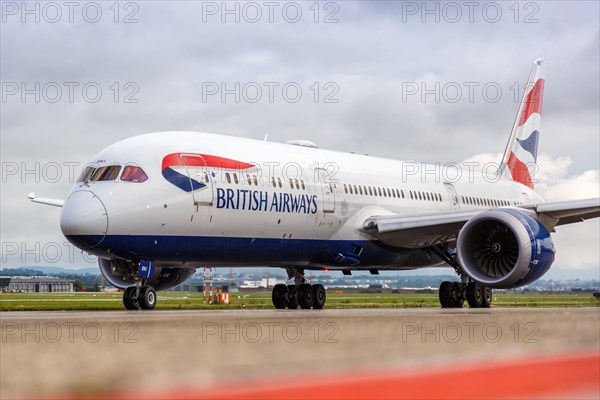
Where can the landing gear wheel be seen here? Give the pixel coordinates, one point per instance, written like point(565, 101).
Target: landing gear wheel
point(147, 298)
point(459, 294)
point(279, 296)
point(319, 296)
point(305, 296)
point(475, 294)
point(292, 299)
point(130, 300)
point(450, 295)
point(487, 297)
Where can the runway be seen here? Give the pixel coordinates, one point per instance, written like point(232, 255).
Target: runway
point(158, 353)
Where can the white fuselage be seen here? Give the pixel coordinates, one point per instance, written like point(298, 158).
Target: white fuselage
point(283, 205)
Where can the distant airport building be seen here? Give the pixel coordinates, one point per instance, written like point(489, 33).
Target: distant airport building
point(35, 284)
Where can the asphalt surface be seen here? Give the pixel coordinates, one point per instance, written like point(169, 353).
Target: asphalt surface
point(49, 354)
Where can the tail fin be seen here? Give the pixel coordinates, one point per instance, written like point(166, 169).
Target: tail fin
point(521, 151)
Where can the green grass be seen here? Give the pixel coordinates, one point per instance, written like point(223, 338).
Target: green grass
point(262, 300)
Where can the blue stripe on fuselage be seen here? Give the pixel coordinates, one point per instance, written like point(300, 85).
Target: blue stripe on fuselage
point(254, 251)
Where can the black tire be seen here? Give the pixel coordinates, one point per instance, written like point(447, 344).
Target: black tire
point(459, 294)
point(475, 294)
point(130, 300)
point(147, 298)
point(450, 295)
point(487, 297)
point(292, 297)
point(446, 294)
point(319, 296)
point(305, 296)
point(279, 296)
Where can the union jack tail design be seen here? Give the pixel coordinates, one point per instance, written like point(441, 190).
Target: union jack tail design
point(520, 157)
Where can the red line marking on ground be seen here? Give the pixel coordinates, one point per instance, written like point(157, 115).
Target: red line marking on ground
point(541, 377)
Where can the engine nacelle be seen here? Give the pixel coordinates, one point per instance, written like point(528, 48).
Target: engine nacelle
point(121, 274)
point(505, 248)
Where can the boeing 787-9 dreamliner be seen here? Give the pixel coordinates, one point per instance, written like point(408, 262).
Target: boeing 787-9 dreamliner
point(155, 207)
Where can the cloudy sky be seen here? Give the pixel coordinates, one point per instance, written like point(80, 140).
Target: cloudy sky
point(404, 80)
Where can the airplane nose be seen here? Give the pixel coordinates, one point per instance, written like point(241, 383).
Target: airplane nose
point(84, 220)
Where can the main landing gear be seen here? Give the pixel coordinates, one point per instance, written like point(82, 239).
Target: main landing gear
point(300, 293)
point(454, 294)
point(135, 297)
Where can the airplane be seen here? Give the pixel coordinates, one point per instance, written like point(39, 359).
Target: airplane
point(155, 207)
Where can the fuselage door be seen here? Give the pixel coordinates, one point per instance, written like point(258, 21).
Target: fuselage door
point(328, 191)
point(201, 179)
point(453, 195)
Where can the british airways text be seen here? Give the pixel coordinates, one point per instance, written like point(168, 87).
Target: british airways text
point(258, 200)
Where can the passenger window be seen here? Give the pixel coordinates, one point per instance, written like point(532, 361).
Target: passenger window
point(302, 183)
point(132, 173)
point(227, 177)
point(235, 179)
point(370, 191)
point(350, 186)
point(360, 189)
point(273, 181)
point(279, 182)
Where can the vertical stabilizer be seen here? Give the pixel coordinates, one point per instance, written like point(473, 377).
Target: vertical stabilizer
point(520, 155)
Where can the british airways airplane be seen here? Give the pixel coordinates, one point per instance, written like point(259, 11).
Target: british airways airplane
point(155, 207)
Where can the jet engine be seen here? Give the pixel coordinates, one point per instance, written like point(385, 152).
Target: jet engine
point(505, 248)
point(122, 274)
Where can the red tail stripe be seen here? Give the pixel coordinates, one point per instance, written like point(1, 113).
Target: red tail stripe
point(519, 171)
point(533, 102)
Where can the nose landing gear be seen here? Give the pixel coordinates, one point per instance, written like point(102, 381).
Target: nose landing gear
point(135, 297)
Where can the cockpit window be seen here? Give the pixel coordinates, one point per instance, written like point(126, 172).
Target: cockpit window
point(106, 173)
point(132, 173)
point(86, 174)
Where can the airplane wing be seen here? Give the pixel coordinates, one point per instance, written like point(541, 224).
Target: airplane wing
point(423, 230)
point(45, 200)
point(569, 212)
